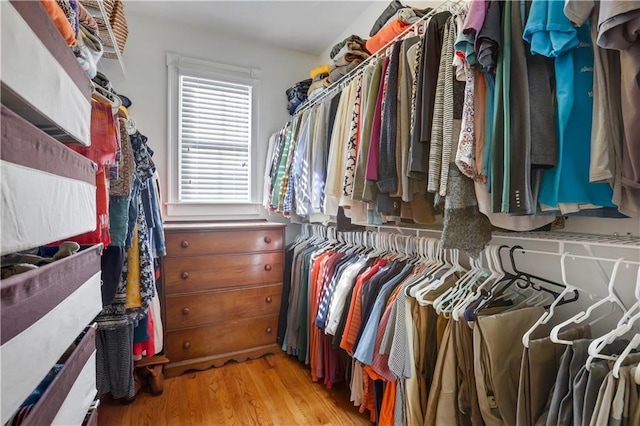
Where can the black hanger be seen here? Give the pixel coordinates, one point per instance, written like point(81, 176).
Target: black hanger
point(529, 281)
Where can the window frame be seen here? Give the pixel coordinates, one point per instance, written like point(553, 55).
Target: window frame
point(178, 65)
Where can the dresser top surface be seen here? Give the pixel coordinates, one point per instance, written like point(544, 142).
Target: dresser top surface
point(221, 226)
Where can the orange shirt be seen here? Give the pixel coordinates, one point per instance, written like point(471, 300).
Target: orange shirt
point(385, 35)
point(317, 270)
point(60, 20)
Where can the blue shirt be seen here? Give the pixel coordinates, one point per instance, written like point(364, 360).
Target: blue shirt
point(550, 33)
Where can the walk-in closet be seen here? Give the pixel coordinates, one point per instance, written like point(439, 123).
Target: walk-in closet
point(421, 213)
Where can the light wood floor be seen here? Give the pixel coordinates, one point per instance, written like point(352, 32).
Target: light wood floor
point(274, 390)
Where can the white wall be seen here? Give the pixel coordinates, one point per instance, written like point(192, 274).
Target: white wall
point(146, 77)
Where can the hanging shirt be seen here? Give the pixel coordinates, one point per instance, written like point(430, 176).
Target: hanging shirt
point(572, 48)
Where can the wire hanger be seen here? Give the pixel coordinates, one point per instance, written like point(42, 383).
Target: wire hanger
point(611, 298)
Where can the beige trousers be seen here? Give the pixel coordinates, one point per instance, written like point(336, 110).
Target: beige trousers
point(497, 343)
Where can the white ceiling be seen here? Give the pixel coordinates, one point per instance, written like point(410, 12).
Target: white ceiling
point(308, 26)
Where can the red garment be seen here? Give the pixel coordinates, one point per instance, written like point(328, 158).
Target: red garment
point(104, 145)
point(101, 233)
point(105, 132)
point(322, 351)
point(147, 348)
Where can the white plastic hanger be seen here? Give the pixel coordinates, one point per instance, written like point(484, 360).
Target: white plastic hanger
point(633, 344)
point(611, 298)
point(454, 291)
point(496, 273)
point(546, 316)
point(454, 267)
point(625, 325)
point(433, 281)
point(434, 264)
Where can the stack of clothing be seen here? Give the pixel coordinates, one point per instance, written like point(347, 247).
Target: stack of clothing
point(319, 80)
point(385, 31)
point(347, 55)
point(79, 30)
point(297, 94)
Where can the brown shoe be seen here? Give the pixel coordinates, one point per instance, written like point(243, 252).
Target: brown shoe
point(155, 379)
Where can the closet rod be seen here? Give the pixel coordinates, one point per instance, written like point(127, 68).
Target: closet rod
point(450, 5)
point(578, 256)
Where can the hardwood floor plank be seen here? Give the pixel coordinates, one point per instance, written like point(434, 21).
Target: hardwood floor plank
point(273, 390)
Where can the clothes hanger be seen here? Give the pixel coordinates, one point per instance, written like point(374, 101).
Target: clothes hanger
point(422, 288)
point(583, 315)
point(495, 273)
point(453, 291)
point(444, 303)
point(454, 268)
point(530, 281)
point(103, 95)
point(537, 278)
point(431, 263)
point(633, 344)
point(546, 316)
point(625, 325)
point(491, 294)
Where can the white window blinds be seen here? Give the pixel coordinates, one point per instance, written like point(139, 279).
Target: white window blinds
point(215, 141)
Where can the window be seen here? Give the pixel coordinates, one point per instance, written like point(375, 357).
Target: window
point(214, 140)
point(212, 148)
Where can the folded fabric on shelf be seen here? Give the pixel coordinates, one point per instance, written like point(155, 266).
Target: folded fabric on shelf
point(297, 94)
point(385, 35)
point(320, 69)
point(354, 39)
point(348, 57)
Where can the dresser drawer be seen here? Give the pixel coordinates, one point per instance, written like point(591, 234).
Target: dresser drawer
point(215, 307)
point(204, 273)
point(232, 336)
point(223, 242)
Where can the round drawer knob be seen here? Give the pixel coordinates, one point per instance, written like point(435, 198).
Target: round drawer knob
point(184, 244)
point(184, 275)
point(267, 239)
point(268, 299)
point(267, 267)
point(185, 311)
point(269, 330)
point(186, 345)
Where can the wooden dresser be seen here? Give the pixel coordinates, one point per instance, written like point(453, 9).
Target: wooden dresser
point(222, 288)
